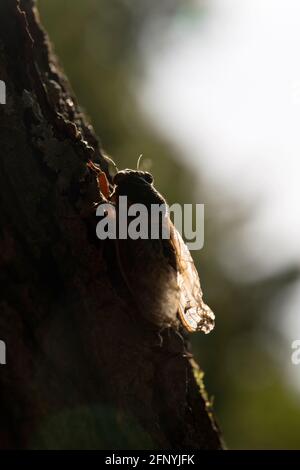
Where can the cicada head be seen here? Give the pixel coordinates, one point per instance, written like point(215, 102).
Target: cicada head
point(137, 186)
point(130, 175)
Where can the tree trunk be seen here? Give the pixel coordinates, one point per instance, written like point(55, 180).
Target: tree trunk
point(82, 370)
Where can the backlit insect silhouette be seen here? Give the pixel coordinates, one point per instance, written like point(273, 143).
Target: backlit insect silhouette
point(160, 273)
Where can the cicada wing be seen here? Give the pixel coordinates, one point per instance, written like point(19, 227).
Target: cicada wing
point(194, 313)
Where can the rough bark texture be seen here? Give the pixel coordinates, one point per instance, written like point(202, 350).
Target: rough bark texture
point(83, 369)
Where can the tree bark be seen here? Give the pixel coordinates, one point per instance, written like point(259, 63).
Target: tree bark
point(82, 369)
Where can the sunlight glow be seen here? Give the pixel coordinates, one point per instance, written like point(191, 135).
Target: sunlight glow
point(226, 91)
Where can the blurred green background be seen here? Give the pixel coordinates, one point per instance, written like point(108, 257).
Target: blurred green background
point(98, 43)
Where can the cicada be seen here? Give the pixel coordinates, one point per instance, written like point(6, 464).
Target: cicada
point(159, 273)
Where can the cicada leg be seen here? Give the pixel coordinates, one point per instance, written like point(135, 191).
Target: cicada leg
point(101, 179)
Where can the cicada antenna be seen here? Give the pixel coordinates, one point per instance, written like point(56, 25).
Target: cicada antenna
point(138, 162)
point(112, 162)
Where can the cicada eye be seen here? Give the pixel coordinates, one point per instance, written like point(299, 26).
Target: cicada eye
point(119, 177)
point(148, 177)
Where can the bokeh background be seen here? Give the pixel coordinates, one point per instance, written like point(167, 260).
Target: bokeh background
point(209, 92)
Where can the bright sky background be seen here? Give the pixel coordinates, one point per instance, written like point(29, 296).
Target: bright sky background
point(226, 89)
